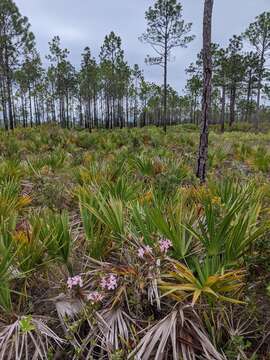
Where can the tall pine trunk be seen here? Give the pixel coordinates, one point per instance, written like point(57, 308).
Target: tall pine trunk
point(223, 104)
point(207, 87)
point(165, 86)
point(232, 105)
point(247, 113)
point(258, 102)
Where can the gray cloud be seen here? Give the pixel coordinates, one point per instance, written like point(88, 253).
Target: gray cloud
point(83, 23)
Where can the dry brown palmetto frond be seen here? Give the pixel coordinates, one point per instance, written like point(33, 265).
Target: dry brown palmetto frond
point(27, 338)
point(110, 330)
point(115, 328)
point(67, 306)
point(180, 334)
point(239, 323)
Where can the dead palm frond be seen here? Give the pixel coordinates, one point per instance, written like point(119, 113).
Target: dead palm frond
point(180, 334)
point(116, 328)
point(27, 338)
point(109, 330)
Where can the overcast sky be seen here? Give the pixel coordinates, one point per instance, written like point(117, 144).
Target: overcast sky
point(81, 23)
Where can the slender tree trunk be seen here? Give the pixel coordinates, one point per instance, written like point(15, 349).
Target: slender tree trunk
point(95, 109)
point(258, 103)
point(207, 88)
point(9, 98)
point(223, 104)
point(14, 112)
point(127, 109)
point(35, 109)
point(165, 85)
point(4, 105)
point(81, 114)
point(9, 90)
point(232, 105)
point(23, 112)
point(248, 95)
point(67, 102)
point(191, 110)
point(195, 121)
point(30, 107)
point(107, 120)
point(10, 112)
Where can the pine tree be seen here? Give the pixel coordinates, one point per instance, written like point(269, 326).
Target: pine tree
point(58, 74)
point(236, 71)
point(89, 85)
point(258, 33)
point(113, 71)
point(207, 87)
point(14, 36)
point(166, 30)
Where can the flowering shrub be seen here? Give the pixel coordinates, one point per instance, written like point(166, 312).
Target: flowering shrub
point(165, 245)
point(109, 282)
point(95, 297)
point(74, 282)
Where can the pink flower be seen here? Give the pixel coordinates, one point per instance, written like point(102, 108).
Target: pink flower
point(144, 251)
point(75, 281)
point(141, 252)
point(103, 283)
point(109, 282)
point(165, 245)
point(95, 297)
point(112, 282)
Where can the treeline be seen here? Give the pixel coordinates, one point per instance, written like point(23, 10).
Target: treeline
point(241, 78)
point(108, 92)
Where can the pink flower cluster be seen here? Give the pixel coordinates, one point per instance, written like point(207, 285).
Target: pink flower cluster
point(75, 281)
point(144, 251)
point(95, 297)
point(165, 245)
point(109, 282)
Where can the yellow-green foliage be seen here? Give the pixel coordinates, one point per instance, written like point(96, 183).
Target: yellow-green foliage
point(73, 203)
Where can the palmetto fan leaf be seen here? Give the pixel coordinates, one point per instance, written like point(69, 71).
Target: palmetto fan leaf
point(10, 199)
point(110, 330)
point(110, 212)
point(230, 230)
point(180, 334)
point(206, 280)
point(24, 334)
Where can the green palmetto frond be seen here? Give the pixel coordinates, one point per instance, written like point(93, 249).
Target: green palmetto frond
point(97, 235)
point(206, 281)
point(144, 166)
point(109, 212)
point(10, 199)
point(140, 224)
point(55, 235)
point(229, 231)
point(6, 260)
point(171, 222)
point(11, 170)
point(122, 189)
